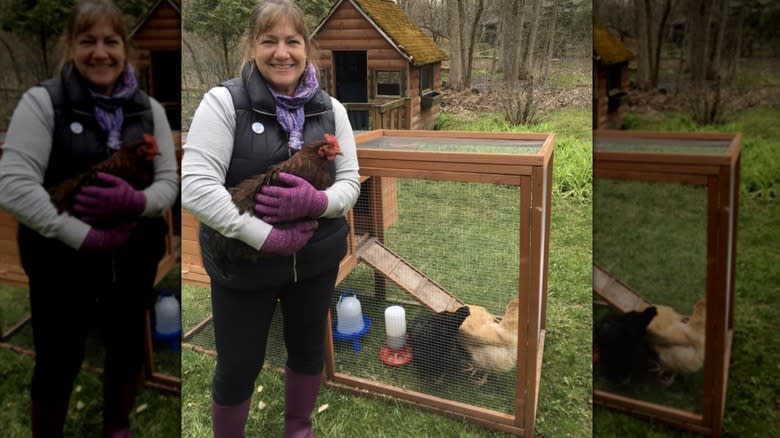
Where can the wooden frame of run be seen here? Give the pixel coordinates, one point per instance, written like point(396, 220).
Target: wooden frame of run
point(532, 173)
point(718, 171)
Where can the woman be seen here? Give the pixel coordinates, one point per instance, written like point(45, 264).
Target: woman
point(100, 258)
point(239, 129)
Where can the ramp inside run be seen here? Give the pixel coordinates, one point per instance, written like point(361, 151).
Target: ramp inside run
point(616, 293)
point(407, 277)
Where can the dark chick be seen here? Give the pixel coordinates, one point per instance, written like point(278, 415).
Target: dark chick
point(132, 162)
point(622, 346)
point(436, 348)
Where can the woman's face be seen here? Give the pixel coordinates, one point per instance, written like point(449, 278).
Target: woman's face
point(99, 54)
point(280, 55)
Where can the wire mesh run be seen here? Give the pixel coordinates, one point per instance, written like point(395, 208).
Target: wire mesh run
point(461, 240)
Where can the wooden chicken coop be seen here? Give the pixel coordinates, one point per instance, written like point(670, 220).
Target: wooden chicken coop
point(664, 234)
point(469, 216)
point(380, 65)
point(157, 39)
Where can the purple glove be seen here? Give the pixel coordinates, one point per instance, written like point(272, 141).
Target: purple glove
point(275, 204)
point(108, 240)
point(285, 241)
point(116, 198)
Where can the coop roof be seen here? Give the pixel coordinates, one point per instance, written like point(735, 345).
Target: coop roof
point(397, 28)
point(607, 48)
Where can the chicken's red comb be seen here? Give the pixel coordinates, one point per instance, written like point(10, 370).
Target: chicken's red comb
point(330, 138)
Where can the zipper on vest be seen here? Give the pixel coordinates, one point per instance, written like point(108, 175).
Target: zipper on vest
point(263, 112)
point(83, 113)
point(295, 268)
point(319, 113)
point(315, 114)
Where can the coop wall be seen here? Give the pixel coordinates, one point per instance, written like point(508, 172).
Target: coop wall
point(161, 30)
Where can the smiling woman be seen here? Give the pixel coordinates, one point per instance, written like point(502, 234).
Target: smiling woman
point(100, 55)
point(105, 247)
point(270, 116)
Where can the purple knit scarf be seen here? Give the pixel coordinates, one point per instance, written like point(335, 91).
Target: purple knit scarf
point(289, 109)
point(108, 109)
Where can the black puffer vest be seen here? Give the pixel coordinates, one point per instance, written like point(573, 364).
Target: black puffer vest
point(260, 142)
point(78, 142)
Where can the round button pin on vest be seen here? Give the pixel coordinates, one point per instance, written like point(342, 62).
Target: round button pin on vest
point(258, 127)
point(76, 128)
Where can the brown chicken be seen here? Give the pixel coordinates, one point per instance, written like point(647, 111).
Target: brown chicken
point(678, 340)
point(311, 163)
point(132, 162)
point(491, 342)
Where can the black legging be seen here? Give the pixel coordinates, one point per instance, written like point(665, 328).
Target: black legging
point(242, 319)
point(66, 287)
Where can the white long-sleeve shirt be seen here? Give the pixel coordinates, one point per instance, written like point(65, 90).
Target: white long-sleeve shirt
point(26, 156)
point(207, 153)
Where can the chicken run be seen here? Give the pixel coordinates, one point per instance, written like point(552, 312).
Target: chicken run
point(453, 227)
point(664, 235)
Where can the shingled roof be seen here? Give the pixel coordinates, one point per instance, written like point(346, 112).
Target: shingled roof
point(399, 30)
point(607, 48)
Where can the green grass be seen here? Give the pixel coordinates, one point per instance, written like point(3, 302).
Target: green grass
point(156, 415)
point(572, 168)
point(760, 173)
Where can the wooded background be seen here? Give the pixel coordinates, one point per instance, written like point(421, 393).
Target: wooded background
point(508, 43)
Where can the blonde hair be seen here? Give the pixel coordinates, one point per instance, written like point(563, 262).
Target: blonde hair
point(83, 17)
point(270, 13)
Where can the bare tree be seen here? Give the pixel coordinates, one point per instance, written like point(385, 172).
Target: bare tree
point(651, 17)
point(528, 69)
point(454, 14)
point(698, 24)
point(511, 24)
point(545, 68)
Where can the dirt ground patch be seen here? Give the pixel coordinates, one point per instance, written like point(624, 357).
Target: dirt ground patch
point(734, 99)
point(478, 101)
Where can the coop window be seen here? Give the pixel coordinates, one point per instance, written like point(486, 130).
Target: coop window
point(426, 78)
point(388, 83)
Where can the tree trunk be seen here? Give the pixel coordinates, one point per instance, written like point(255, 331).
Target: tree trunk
point(12, 57)
point(720, 43)
point(528, 69)
point(642, 17)
point(195, 62)
point(699, 18)
point(734, 65)
point(550, 43)
point(456, 63)
point(511, 31)
point(471, 42)
point(666, 9)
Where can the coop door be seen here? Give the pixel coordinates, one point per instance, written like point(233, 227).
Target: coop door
point(352, 84)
